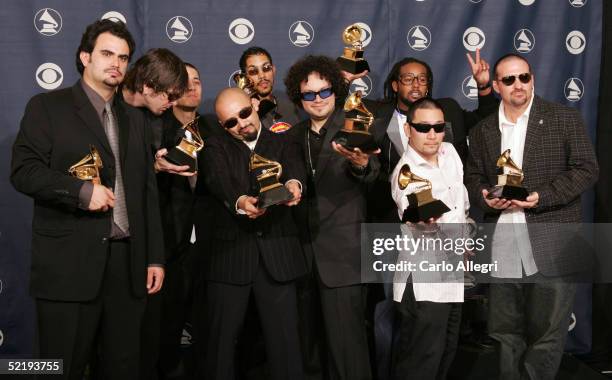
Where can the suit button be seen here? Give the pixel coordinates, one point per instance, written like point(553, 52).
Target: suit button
point(259, 234)
point(104, 240)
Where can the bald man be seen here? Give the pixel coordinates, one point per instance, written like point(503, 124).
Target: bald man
point(251, 249)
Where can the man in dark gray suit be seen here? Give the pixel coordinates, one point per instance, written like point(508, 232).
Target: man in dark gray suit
point(549, 141)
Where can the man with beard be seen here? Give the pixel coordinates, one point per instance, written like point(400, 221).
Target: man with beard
point(251, 249)
point(529, 313)
point(276, 112)
point(97, 249)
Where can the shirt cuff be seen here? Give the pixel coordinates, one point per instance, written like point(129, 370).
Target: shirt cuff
point(295, 180)
point(155, 265)
point(85, 194)
point(238, 210)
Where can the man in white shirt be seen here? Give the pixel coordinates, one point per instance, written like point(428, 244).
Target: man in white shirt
point(549, 141)
point(430, 311)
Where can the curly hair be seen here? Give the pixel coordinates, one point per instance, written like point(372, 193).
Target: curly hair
point(394, 76)
point(90, 36)
point(326, 67)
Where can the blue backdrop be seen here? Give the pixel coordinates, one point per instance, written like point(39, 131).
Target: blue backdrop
point(561, 39)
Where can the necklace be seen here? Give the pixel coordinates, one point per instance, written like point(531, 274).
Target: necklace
point(312, 169)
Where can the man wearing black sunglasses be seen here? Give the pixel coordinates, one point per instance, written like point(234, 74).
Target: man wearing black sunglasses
point(331, 216)
point(250, 249)
point(549, 142)
point(276, 112)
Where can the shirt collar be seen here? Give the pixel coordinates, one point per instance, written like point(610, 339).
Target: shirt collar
point(96, 100)
point(252, 144)
point(502, 114)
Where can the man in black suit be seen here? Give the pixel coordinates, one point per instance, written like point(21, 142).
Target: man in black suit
point(251, 249)
point(530, 313)
point(333, 212)
point(96, 247)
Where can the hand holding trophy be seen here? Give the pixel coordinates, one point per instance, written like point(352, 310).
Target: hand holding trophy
point(422, 206)
point(190, 142)
point(352, 58)
point(509, 185)
point(271, 191)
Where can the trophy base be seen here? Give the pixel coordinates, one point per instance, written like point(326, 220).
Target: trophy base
point(353, 66)
point(424, 212)
point(508, 192)
point(353, 139)
point(177, 157)
point(273, 197)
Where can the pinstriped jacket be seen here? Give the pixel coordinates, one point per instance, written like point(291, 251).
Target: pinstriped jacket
point(559, 164)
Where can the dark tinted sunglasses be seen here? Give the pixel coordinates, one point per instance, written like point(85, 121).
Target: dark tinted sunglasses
point(266, 68)
point(425, 128)
point(509, 80)
point(310, 96)
point(232, 121)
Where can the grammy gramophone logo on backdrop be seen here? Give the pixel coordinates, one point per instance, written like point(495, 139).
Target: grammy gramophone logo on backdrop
point(301, 33)
point(179, 29)
point(48, 22)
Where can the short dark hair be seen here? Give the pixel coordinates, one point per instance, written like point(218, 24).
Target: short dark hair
point(187, 64)
point(90, 36)
point(161, 70)
point(423, 104)
point(506, 57)
point(253, 50)
point(326, 67)
point(394, 74)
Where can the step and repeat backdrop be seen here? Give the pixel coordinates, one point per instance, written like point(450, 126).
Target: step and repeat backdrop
point(560, 38)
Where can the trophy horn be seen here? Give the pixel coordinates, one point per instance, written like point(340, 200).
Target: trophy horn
point(269, 166)
point(88, 168)
point(406, 177)
point(353, 103)
point(505, 161)
point(352, 35)
point(243, 83)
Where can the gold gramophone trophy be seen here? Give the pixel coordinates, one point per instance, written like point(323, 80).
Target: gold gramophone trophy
point(422, 206)
point(190, 142)
point(245, 84)
point(357, 122)
point(271, 192)
point(352, 56)
point(510, 185)
point(88, 169)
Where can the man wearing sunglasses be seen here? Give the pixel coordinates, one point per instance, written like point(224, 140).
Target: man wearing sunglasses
point(332, 214)
point(549, 142)
point(250, 249)
point(276, 112)
point(430, 310)
point(156, 81)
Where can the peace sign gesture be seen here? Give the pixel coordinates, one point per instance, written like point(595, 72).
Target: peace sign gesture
point(480, 69)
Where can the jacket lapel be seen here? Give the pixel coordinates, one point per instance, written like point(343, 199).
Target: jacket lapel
point(87, 114)
point(333, 125)
point(535, 126)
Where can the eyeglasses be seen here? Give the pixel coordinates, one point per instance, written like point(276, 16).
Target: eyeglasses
point(265, 68)
point(172, 96)
point(425, 128)
point(509, 80)
point(310, 96)
point(407, 79)
point(232, 121)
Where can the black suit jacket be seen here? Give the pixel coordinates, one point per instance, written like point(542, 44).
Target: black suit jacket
point(70, 245)
point(382, 207)
point(335, 206)
point(236, 243)
point(558, 162)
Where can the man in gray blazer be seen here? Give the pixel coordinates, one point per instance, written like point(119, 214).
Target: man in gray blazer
point(529, 313)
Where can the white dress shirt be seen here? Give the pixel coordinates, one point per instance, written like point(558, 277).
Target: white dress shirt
point(447, 185)
point(511, 246)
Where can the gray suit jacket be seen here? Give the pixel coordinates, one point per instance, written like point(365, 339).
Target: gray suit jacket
point(559, 164)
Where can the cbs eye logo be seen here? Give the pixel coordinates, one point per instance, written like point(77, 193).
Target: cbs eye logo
point(473, 38)
point(241, 31)
point(366, 33)
point(49, 76)
point(575, 42)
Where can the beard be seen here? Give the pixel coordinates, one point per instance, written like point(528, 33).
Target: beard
point(248, 137)
point(404, 101)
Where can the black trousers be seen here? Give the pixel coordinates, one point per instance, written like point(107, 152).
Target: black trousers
point(429, 332)
point(343, 310)
point(225, 313)
point(72, 330)
point(530, 322)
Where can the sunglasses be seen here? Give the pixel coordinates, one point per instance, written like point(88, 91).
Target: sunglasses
point(408, 79)
point(232, 121)
point(425, 128)
point(266, 68)
point(509, 80)
point(310, 96)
